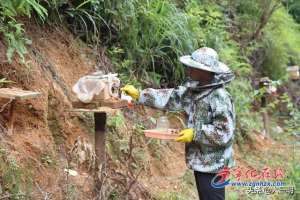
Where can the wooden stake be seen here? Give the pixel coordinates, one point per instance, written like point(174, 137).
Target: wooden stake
point(100, 128)
point(11, 118)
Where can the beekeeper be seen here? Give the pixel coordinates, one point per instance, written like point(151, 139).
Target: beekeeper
point(211, 116)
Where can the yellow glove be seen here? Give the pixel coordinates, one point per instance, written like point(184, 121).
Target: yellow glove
point(186, 135)
point(131, 91)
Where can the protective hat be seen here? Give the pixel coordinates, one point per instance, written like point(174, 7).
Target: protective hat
point(206, 59)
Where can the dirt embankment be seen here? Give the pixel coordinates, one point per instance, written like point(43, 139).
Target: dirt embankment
point(43, 131)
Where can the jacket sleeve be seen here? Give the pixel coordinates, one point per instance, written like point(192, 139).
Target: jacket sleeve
point(220, 131)
point(169, 99)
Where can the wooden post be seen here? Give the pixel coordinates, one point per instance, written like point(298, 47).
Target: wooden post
point(100, 128)
point(100, 116)
point(11, 117)
point(265, 117)
point(265, 83)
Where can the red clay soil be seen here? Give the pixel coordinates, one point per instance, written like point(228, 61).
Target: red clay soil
point(55, 61)
point(44, 132)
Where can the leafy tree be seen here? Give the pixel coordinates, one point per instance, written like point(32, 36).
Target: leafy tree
point(293, 7)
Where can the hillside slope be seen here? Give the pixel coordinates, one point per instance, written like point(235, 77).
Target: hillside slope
point(34, 158)
point(44, 132)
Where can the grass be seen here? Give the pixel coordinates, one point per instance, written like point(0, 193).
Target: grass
point(15, 181)
point(186, 189)
point(278, 154)
point(150, 35)
point(172, 196)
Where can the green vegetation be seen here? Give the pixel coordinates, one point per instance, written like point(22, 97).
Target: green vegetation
point(281, 44)
point(293, 7)
point(12, 30)
point(293, 178)
point(12, 182)
point(150, 37)
point(146, 37)
point(144, 40)
point(247, 121)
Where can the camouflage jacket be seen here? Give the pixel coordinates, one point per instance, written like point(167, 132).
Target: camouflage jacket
point(210, 113)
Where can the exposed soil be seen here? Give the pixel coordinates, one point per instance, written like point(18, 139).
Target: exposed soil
point(44, 132)
point(42, 128)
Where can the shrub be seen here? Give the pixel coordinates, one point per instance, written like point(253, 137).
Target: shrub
point(281, 44)
point(12, 30)
point(246, 120)
point(153, 34)
point(293, 7)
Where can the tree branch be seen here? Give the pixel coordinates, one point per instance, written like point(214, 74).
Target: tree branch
point(264, 19)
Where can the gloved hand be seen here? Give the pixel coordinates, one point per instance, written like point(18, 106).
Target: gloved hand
point(131, 91)
point(186, 135)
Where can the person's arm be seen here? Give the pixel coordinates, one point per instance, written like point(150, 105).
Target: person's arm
point(169, 99)
point(220, 131)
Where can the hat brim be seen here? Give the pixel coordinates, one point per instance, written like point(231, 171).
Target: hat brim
point(188, 61)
